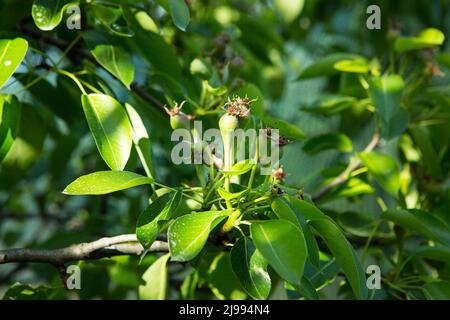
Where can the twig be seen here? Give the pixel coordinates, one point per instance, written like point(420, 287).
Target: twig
point(125, 244)
point(352, 166)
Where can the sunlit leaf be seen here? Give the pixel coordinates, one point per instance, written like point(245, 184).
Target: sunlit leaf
point(188, 234)
point(110, 127)
point(103, 182)
point(384, 169)
point(428, 38)
point(9, 123)
point(47, 14)
point(156, 280)
point(12, 53)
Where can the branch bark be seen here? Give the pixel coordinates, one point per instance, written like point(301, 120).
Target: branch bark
point(63, 44)
point(352, 166)
point(125, 244)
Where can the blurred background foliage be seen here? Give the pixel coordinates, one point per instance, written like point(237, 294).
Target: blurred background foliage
point(270, 44)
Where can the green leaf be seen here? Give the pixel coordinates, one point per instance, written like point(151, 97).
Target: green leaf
point(428, 38)
point(437, 253)
point(353, 187)
point(110, 127)
point(338, 141)
point(386, 94)
point(111, 17)
point(286, 129)
point(178, 10)
point(384, 169)
point(251, 268)
point(141, 140)
point(239, 168)
point(325, 66)
point(111, 55)
point(228, 195)
point(429, 157)
point(252, 92)
point(160, 210)
point(337, 243)
point(10, 110)
point(47, 14)
point(222, 280)
point(285, 211)
point(12, 53)
point(421, 222)
point(188, 234)
point(357, 65)
point(151, 46)
point(103, 182)
point(289, 9)
point(26, 147)
point(156, 279)
point(331, 105)
point(438, 290)
point(283, 245)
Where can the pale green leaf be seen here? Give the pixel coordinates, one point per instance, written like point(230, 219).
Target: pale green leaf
point(103, 182)
point(12, 53)
point(156, 280)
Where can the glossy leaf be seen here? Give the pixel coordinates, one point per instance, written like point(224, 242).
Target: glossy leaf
point(286, 129)
point(9, 123)
point(111, 55)
point(384, 169)
point(337, 243)
point(47, 14)
point(285, 211)
point(156, 280)
point(188, 234)
point(103, 182)
point(283, 245)
point(421, 222)
point(12, 53)
point(110, 127)
point(160, 210)
point(338, 141)
point(428, 38)
point(251, 268)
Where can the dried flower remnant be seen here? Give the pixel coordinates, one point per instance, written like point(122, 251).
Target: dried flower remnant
point(281, 141)
point(279, 174)
point(239, 107)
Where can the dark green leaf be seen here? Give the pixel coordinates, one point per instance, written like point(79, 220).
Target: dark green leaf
point(162, 209)
point(283, 245)
point(9, 123)
point(251, 268)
